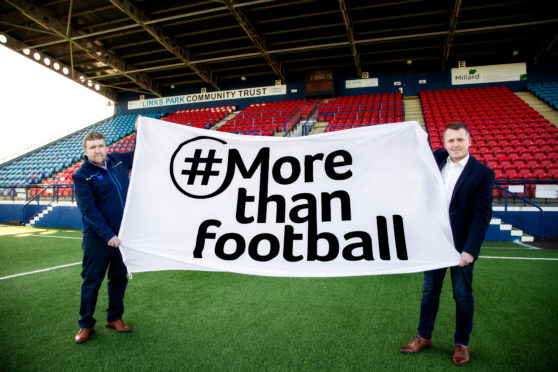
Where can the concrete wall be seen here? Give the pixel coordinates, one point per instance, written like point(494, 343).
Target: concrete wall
point(528, 220)
point(12, 212)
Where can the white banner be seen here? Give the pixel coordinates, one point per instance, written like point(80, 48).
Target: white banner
point(488, 74)
point(361, 83)
point(209, 97)
point(546, 191)
point(364, 201)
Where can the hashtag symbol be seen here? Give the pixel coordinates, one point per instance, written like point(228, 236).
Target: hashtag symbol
point(206, 172)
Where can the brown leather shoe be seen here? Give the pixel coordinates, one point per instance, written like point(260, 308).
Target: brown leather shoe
point(119, 325)
point(83, 335)
point(460, 355)
point(416, 345)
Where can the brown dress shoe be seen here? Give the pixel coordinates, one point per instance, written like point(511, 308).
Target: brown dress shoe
point(416, 345)
point(83, 335)
point(119, 325)
point(460, 355)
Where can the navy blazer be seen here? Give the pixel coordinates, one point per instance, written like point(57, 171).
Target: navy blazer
point(471, 204)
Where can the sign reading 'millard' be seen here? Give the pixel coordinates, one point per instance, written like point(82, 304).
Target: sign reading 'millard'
point(489, 74)
point(274, 90)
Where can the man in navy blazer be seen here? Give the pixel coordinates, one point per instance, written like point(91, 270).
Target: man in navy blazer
point(469, 186)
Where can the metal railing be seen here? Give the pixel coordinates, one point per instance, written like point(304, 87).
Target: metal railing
point(51, 193)
point(505, 216)
point(262, 122)
point(308, 125)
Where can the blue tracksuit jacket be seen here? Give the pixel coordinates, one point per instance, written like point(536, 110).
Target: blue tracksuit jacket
point(101, 194)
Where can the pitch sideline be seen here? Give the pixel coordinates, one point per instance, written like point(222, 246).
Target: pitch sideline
point(78, 263)
point(40, 271)
point(521, 258)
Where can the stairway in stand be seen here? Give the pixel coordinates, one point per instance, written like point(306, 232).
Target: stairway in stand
point(541, 107)
point(36, 219)
point(413, 110)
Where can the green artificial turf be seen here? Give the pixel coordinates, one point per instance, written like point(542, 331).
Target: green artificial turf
point(207, 321)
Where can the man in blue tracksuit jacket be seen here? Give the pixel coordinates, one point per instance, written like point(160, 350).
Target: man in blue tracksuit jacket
point(101, 185)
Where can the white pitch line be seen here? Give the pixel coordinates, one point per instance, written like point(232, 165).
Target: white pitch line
point(526, 247)
point(78, 263)
point(40, 271)
point(59, 237)
point(521, 258)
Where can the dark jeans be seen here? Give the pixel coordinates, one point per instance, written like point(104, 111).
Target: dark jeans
point(97, 258)
point(462, 281)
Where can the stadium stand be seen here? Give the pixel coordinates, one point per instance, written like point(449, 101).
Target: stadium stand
point(267, 119)
point(361, 110)
point(200, 117)
point(547, 92)
point(41, 164)
point(507, 134)
point(61, 182)
point(126, 144)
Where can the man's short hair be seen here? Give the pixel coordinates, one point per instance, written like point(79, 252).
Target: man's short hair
point(456, 125)
point(92, 136)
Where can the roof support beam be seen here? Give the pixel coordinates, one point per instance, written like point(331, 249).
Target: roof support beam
point(68, 29)
point(18, 46)
point(256, 37)
point(46, 19)
point(155, 21)
point(307, 48)
point(350, 35)
point(166, 40)
point(545, 49)
point(451, 33)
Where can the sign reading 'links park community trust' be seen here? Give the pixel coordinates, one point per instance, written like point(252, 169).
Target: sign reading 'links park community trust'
point(364, 201)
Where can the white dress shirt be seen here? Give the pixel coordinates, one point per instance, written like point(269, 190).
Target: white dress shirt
point(450, 174)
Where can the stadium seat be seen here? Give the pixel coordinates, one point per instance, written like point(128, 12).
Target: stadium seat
point(269, 117)
point(493, 115)
point(56, 157)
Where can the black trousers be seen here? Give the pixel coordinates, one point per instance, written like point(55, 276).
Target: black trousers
point(98, 257)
